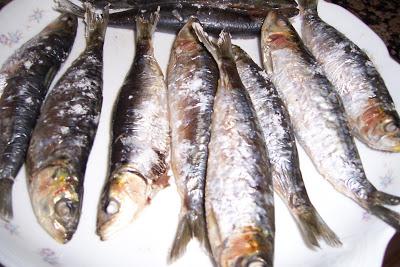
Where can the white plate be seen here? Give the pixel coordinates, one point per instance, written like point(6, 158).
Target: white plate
point(146, 242)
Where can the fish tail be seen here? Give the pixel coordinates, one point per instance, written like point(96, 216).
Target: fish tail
point(218, 48)
point(96, 22)
point(6, 212)
point(308, 4)
point(190, 225)
point(313, 228)
point(146, 27)
point(66, 6)
point(388, 216)
point(382, 198)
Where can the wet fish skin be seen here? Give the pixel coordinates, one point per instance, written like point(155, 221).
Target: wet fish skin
point(64, 134)
point(318, 117)
point(370, 109)
point(24, 80)
point(239, 195)
point(174, 16)
point(192, 83)
point(237, 4)
point(140, 139)
point(279, 137)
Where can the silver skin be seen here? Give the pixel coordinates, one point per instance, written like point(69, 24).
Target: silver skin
point(318, 117)
point(370, 109)
point(140, 139)
point(239, 192)
point(279, 138)
point(63, 137)
point(192, 83)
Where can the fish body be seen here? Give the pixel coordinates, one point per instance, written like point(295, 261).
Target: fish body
point(192, 83)
point(24, 80)
point(282, 152)
point(239, 193)
point(237, 4)
point(64, 134)
point(318, 117)
point(173, 16)
point(140, 138)
point(369, 107)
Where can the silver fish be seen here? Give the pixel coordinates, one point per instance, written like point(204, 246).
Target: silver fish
point(370, 109)
point(192, 82)
point(318, 117)
point(24, 80)
point(279, 138)
point(63, 137)
point(140, 138)
point(239, 193)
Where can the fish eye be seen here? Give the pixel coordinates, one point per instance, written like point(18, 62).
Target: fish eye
point(63, 207)
point(112, 207)
point(281, 23)
point(390, 127)
point(257, 263)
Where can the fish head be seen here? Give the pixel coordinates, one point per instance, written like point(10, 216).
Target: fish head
point(56, 200)
point(380, 128)
point(249, 247)
point(123, 198)
point(277, 32)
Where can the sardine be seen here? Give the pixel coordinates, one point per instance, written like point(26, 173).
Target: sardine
point(140, 138)
point(24, 80)
point(192, 82)
point(318, 117)
point(279, 137)
point(370, 109)
point(173, 17)
point(237, 4)
point(239, 193)
point(63, 136)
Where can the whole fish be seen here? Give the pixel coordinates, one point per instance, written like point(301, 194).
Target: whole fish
point(140, 138)
point(24, 80)
point(237, 4)
point(279, 137)
point(370, 109)
point(173, 16)
point(192, 82)
point(63, 136)
point(239, 194)
point(318, 117)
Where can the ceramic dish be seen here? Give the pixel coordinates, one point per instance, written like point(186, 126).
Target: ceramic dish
point(146, 242)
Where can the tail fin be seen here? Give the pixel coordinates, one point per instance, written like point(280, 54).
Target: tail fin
point(308, 5)
point(382, 198)
point(146, 27)
point(66, 6)
point(313, 228)
point(218, 48)
point(96, 23)
point(189, 226)
point(388, 216)
point(6, 212)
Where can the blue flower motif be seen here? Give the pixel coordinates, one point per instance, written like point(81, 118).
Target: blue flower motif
point(37, 15)
point(386, 179)
point(49, 256)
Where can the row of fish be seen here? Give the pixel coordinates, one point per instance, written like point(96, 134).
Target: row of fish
point(231, 128)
